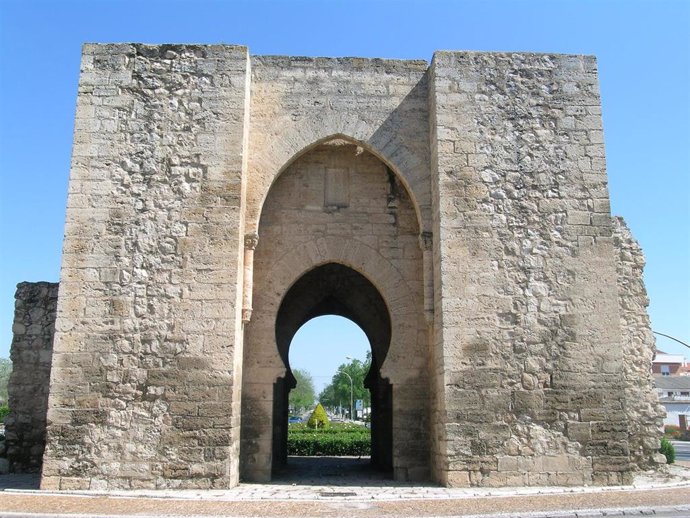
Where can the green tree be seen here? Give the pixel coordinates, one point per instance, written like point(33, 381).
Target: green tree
point(337, 393)
point(303, 395)
point(5, 371)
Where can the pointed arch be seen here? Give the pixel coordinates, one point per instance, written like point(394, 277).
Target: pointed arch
point(372, 240)
point(268, 165)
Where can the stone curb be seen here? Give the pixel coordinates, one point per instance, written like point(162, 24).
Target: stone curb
point(614, 511)
point(628, 511)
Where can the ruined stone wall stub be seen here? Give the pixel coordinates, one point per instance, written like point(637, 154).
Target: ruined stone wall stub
point(31, 355)
point(145, 380)
point(511, 305)
point(643, 411)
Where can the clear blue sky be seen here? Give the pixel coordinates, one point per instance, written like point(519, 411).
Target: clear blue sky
point(323, 344)
point(642, 48)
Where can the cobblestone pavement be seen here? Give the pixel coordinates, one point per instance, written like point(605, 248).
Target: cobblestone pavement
point(341, 487)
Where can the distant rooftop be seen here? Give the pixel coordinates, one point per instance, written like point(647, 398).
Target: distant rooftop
point(672, 382)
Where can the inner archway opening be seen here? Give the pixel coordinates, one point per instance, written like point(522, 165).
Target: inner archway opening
point(338, 291)
point(323, 353)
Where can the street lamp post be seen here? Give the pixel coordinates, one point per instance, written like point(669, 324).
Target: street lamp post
point(351, 391)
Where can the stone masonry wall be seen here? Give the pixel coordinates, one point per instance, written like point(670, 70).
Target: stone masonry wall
point(34, 327)
point(31, 354)
point(297, 103)
point(527, 325)
point(145, 380)
point(644, 413)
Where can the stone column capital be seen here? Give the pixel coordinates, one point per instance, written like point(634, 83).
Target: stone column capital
point(426, 240)
point(251, 240)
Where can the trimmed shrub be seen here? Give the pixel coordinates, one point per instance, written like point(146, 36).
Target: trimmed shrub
point(4, 410)
point(318, 418)
point(668, 450)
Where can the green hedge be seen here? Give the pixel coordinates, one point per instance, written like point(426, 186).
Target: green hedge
point(335, 428)
point(326, 444)
point(339, 439)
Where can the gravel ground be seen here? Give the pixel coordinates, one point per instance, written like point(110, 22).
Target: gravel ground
point(514, 505)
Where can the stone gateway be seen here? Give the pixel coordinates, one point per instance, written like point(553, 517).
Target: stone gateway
point(457, 211)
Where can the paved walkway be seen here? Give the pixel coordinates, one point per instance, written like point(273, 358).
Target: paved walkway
point(342, 487)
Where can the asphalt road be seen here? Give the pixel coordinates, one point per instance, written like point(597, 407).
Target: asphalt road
point(657, 512)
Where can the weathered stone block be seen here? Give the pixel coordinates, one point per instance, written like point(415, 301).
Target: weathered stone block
point(457, 479)
point(580, 432)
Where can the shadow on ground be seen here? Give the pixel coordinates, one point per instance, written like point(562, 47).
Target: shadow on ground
point(20, 481)
point(299, 471)
point(332, 471)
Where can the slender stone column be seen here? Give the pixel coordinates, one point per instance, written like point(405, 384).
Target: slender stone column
point(250, 242)
point(425, 243)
